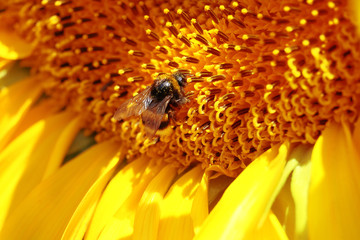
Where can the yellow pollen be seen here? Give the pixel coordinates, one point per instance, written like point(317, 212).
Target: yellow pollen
point(59, 26)
point(168, 24)
point(121, 71)
point(310, 2)
point(289, 29)
point(58, 3)
point(44, 2)
point(146, 17)
point(269, 87)
point(206, 7)
point(230, 17)
point(286, 9)
point(131, 52)
point(222, 7)
point(244, 11)
point(303, 21)
point(235, 4)
point(116, 87)
point(331, 4)
point(96, 64)
point(322, 37)
point(260, 16)
point(179, 11)
point(166, 11)
point(54, 20)
point(287, 50)
point(245, 37)
point(306, 42)
point(130, 79)
point(315, 12)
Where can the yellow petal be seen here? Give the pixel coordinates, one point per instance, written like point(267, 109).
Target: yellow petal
point(146, 223)
point(240, 210)
point(200, 208)
point(300, 182)
point(5, 63)
point(355, 13)
point(5, 67)
point(121, 224)
point(356, 135)
point(13, 47)
point(175, 219)
point(40, 111)
point(291, 203)
point(15, 101)
point(334, 195)
point(11, 72)
point(46, 211)
point(32, 156)
point(115, 194)
point(80, 220)
point(270, 230)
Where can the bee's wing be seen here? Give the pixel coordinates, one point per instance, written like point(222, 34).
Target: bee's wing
point(134, 106)
point(153, 115)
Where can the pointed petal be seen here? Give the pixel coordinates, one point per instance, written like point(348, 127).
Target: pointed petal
point(334, 195)
point(200, 207)
point(40, 111)
point(115, 194)
point(122, 223)
point(290, 206)
point(13, 47)
point(32, 156)
point(15, 101)
point(270, 230)
point(175, 219)
point(46, 211)
point(245, 201)
point(146, 223)
point(81, 218)
point(300, 183)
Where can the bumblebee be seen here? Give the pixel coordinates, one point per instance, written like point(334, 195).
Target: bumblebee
point(162, 98)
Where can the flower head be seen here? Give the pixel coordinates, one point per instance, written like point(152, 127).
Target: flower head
point(260, 75)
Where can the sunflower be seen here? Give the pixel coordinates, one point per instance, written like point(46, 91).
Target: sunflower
point(264, 148)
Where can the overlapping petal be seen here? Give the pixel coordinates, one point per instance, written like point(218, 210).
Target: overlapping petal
point(242, 208)
point(47, 210)
point(12, 46)
point(15, 101)
point(31, 157)
point(334, 194)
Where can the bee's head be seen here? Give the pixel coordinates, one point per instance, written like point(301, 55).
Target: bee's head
point(180, 78)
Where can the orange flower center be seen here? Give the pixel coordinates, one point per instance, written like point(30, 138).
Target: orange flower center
point(260, 73)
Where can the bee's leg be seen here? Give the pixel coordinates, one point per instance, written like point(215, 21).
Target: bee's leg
point(171, 114)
